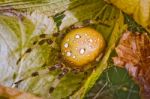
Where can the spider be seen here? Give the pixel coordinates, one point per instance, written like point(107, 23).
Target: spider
point(79, 47)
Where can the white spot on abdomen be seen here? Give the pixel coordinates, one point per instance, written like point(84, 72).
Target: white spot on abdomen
point(82, 51)
point(77, 36)
point(66, 45)
point(69, 53)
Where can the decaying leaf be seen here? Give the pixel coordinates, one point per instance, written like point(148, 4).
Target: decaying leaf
point(133, 54)
point(10, 93)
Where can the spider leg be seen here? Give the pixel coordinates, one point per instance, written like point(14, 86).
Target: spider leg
point(84, 23)
point(75, 71)
point(33, 74)
point(64, 71)
point(42, 39)
point(27, 51)
point(40, 72)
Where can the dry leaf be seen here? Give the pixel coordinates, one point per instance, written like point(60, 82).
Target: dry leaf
point(15, 94)
point(133, 54)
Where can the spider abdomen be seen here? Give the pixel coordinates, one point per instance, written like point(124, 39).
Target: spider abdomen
point(82, 45)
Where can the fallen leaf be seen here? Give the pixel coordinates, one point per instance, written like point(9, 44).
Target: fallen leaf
point(134, 55)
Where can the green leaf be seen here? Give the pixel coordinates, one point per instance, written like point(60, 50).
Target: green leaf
point(117, 31)
point(47, 7)
point(20, 33)
point(132, 25)
point(16, 36)
point(91, 8)
point(114, 83)
point(67, 86)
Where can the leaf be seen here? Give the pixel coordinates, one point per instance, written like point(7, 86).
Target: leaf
point(13, 93)
point(22, 31)
point(47, 7)
point(22, 24)
point(116, 32)
point(133, 54)
point(132, 25)
point(67, 86)
point(15, 39)
point(96, 10)
point(27, 60)
point(138, 9)
point(114, 83)
point(92, 9)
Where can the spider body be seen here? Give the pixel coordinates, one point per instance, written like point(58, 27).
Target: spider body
point(79, 47)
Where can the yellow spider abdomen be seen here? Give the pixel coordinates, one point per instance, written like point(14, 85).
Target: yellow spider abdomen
point(81, 46)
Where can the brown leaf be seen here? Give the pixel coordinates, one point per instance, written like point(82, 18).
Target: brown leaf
point(11, 93)
point(134, 54)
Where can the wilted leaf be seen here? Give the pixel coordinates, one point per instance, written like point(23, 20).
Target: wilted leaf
point(133, 54)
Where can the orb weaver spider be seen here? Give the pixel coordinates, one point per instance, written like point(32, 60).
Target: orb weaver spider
point(79, 47)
